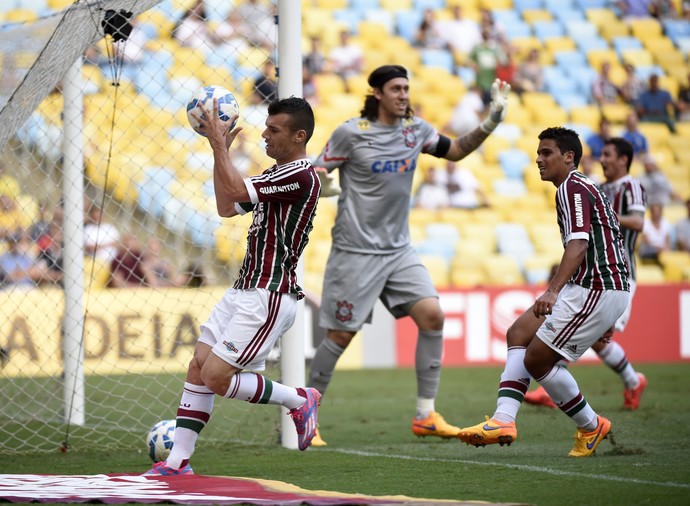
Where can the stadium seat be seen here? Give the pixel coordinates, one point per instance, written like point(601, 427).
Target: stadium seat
point(407, 23)
point(350, 17)
point(533, 16)
point(674, 263)
point(422, 5)
point(638, 57)
point(544, 30)
point(513, 163)
point(501, 270)
point(438, 58)
point(676, 28)
point(626, 42)
point(650, 274)
point(522, 5)
point(568, 59)
point(439, 269)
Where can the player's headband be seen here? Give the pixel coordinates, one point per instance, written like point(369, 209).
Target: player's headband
point(382, 75)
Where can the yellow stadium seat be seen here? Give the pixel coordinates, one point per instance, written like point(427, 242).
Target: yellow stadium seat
point(660, 44)
point(357, 85)
point(674, 264)
point(657, 134)
point(645, 28)
point(638, 57)
point(532, 15)
point(524, 45)
point(492, 146)
point(438, 268)
point(613, 29)
point(466, 277)
point(502, 270)
point(327, 84)
point(316, 20)
point(538, 268)
point(650, 274)
point(96, 273)
point(615, 113)
point(556, 44)
point(589, 115)
point(331, 4)
point(20, 15)
point(601, 17)
point(596, 57)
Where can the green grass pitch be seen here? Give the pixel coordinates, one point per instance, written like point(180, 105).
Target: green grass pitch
point(365, 418)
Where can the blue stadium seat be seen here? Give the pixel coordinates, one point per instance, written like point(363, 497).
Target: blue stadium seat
point(547, 29)
point(153, 190)
point(351, 17)
point(407, 23)
point(438, 58)
point(592, 4)
point(510, 188)
point(517, 29)
point(506, 17)
point(521, 5)
point(568, 59)
point(556, 5)
point(676, 28)
point(557, 86)
point(577, 29)
point(620, 44)
point(565, 15)
point(591, 43)
point(422, 5)
point(513, 163)
point(363, 5)
point(569, 99)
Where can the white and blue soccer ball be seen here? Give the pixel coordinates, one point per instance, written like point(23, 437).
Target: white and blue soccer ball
point(227, 105)
point(159, 440)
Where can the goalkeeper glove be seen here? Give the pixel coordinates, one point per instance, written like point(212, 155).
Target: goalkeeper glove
point(329, 187)
point(497, 107)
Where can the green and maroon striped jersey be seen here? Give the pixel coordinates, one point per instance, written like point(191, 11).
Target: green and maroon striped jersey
point(585, 213)
point(627, 196)
point(283, 203)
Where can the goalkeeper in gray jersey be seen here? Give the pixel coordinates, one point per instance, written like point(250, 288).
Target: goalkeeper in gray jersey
point(372, 256)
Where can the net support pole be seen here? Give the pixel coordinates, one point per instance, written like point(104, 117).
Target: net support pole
point(292, 356)
point(73, 275)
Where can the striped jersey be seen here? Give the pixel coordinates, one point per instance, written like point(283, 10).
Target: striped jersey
point(376, 165)
point(627, 196)
point(283, 203)
point(585, 213)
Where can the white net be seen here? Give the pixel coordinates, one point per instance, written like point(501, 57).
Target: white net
point(151, 211)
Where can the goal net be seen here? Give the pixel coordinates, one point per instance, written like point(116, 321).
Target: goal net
point(148, 201)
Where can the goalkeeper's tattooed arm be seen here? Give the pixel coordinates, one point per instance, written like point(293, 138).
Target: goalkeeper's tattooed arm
point(463, 146)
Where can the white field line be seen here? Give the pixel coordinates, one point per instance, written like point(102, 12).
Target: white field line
point(520, 467)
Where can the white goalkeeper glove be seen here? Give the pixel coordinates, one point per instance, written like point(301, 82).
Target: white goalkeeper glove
point(497, 107)
point(329, 187)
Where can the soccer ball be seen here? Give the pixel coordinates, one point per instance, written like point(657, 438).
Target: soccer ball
point(227, 105)
point(160, 440)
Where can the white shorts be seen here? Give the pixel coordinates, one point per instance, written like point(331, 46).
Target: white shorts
point(580, 317)
point(622, 322)
point(245, 325)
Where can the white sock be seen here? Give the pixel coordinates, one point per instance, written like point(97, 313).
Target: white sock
point(514, 383)
point(563, 390)
point(257, 389)
point(424, 407)
point(196, 406)
point(613, 355)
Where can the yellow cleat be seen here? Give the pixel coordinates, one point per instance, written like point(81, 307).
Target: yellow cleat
point(488, 433)
point(434, 425)
point(317, 441)
point(586, 442)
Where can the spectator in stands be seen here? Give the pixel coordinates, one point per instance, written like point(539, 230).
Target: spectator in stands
point(597, 139)
point(265, 86)
point(633, 135)
point(315, 60)
point(683, 231)
point(464, 189)
point(663, 9)
point(161, 268)
point(656, 105)
point(193, 276)
point(193, 31)
point(632, 87)
point(683, 104)
point(428, 35)
point(12, 217)
point(634, 8)
point(461, 34)
point(101, 239)
point(233, 32)
point(604, 91)
point(431, 194)
point(129, 268)
point(488, 22)
point(656, 234)
point(346, 59)
point(50, 257)
point(657, 185)
point(468, 113)
point(18, 266)
point(530, 74)
point(586, 166)
point(259, 17)
point(484, 58)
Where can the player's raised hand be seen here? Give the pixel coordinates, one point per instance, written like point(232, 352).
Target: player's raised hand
point(498, 105)
point(218, 131)
point(329, 187)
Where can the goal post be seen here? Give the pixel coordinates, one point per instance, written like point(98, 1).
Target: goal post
point(109, 362)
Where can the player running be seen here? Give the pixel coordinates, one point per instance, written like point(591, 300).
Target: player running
point(585, 298)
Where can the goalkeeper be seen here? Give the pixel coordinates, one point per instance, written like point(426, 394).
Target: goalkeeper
point(372, 256)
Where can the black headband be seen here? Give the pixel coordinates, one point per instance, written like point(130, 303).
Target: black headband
point(382, 75)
